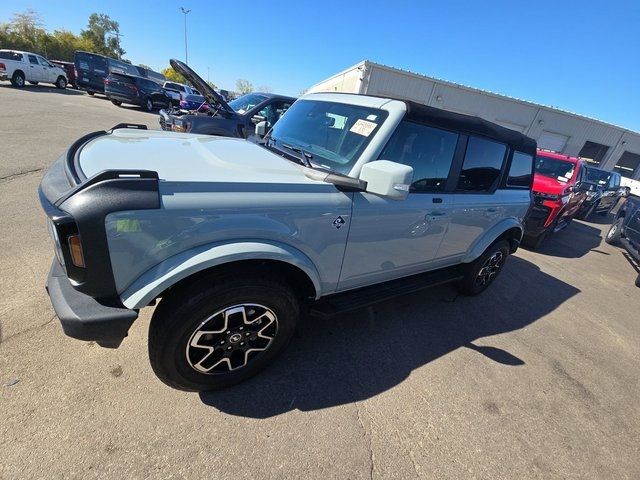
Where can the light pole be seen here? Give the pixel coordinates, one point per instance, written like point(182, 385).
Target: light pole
point(186, 55)
point(117, 35)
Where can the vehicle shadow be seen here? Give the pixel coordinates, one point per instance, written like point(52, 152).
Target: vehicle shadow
point(575, 241)
point(45, 89)
point(364, 353)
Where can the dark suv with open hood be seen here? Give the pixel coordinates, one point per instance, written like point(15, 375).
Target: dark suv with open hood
point(233, 119)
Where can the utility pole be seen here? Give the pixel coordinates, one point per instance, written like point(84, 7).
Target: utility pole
point(117, 35)
point(186, 55)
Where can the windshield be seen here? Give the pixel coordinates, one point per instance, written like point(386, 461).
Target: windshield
point(246, 102)
point(555, 168)
point(600, 177)
point(334, 134)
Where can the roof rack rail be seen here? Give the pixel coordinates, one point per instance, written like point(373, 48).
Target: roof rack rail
point(137, 126)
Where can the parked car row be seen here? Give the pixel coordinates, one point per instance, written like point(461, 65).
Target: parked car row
point(625, 230)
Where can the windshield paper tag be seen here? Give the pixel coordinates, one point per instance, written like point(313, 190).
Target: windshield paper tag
point(363, 127)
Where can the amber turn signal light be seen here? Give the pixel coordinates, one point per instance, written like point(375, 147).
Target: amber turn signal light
point(75, 248)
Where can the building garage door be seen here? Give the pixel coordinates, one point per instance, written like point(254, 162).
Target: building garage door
point(552, 141)
point(628, 164)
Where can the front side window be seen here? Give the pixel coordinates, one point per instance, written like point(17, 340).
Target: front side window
point(521, 170)
point(555, 168)
point(33, 60)
point(43, 62)
point(311, 125)
point(482, 165)
point(428, 150)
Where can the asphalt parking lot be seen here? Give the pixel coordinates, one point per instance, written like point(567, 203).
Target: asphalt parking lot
point(539, 377)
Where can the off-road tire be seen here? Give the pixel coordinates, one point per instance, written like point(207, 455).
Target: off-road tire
point(471, 284)
point(615, 231)
point(181, 314)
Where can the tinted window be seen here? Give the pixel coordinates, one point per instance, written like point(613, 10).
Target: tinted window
point(122, 67)
point(120, 78)
point(520, 171)
point(11, 56)
point(33, 59)
point(428, 150)
point(482, 164)
point(90, 62)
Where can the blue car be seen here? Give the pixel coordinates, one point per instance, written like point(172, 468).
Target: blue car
point(194, 102)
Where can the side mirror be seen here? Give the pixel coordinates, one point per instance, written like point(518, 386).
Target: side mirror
point(261, 128)
point(256, 119)
point(624, 192)
point(387, 179)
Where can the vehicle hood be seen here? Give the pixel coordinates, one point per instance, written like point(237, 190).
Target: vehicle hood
point(203, 87)
point(183, 157)
point(549, 185)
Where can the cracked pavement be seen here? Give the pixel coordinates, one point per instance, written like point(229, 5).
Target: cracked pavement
point(537, 378)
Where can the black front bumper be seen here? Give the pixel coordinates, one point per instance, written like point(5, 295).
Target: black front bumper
point(536, 218)
point(83, 317)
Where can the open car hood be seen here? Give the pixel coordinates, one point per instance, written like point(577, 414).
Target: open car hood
point(203, 87)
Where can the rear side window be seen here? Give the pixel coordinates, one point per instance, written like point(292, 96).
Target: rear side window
point(11, 56)
point(482, 165)
point(521, 170)
point(120, 78)
point(428, 150)
point(91, 63)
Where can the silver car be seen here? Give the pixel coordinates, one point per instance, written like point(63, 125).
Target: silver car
point(348, 199)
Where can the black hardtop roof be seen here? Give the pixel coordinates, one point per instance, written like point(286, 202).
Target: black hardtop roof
point(462, 123)
point(122, 74)
point(272, 95)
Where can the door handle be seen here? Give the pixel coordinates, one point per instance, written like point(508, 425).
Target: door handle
point(492, 210)
point(432, 216)
point(436, 200)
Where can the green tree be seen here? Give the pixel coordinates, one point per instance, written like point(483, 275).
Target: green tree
point(173, 76)
point(243, 86)
point(103, 32)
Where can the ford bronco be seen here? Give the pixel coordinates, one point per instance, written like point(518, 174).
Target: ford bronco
point(347, 200)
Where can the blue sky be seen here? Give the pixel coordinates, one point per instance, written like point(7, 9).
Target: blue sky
point(582, 56)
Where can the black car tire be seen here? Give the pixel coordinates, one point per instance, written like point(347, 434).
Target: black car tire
point(61, 82)
point(117, 103)
point(638, 280)
point(17, 80)
point(89, 92)
point(584, 215)
point(177, 321)
point(614, 233)
point(148, 104)
point(481, 273)
point(34, 83)
point(534, 242)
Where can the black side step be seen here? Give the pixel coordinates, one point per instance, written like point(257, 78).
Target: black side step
point(363, 297)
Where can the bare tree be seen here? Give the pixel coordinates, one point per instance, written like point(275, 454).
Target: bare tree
point(243, 86)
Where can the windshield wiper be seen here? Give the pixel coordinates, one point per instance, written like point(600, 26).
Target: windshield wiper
point(304, 156)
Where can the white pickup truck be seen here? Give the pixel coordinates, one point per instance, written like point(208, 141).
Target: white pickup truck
point(19, 67)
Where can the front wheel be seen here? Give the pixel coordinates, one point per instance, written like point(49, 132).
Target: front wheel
point(483, 271)
point(90, 93)
point(148, 105)
point(614, 233)
point(117, 103)
point(61, 83)
point(216, 335)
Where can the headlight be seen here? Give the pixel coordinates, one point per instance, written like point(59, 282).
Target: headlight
point(180, 126)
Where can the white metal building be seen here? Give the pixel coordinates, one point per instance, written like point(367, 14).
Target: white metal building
point(602, 144)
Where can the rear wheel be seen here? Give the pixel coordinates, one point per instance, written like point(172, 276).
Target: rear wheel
point(17, 80)
point(89, 92)
point(614, 233)
point(61, 82)
point(117, 103)
point(216, 335)
point(483, 271)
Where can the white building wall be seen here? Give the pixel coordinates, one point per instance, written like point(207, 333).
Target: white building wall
point(537, 121)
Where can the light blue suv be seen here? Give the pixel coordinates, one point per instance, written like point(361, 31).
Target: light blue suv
point(349, 199)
